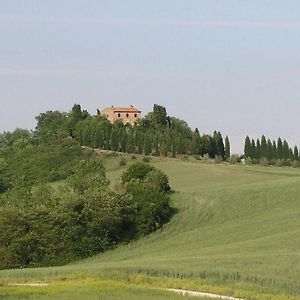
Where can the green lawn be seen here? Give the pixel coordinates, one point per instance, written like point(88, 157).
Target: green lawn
point(236, 231)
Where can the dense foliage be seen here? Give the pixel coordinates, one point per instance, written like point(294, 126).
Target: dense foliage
point(265, 152)
point(43, 225)
point(156, 134)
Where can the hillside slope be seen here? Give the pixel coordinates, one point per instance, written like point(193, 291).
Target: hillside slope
point(236, 227)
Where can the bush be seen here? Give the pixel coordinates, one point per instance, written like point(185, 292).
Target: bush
point(248, 161)
point(205, 157)
point(234, 159)
point(157, 180)
point(136, 171)
point(133, 157)
point(122, 162)
point(296, 164)
point(88, 174)
point(218, 159)
point(146, 159)
point(288, 162)
point(278, 163)
point(264, 161)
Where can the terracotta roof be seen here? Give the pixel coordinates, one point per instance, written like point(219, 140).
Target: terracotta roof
point(123, 109)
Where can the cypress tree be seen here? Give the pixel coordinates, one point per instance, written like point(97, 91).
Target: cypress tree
point(148, 145)
point(291, 156)
point(285, 150)
point(114, 140)
point(247, 147)
point(253, 150)
point(227, 147)
point(296, 153)
point(264, 147)
point(258, 149)
point(279, 149)
point(220, 145)
point(130, 147)
point(269, 150)
point(274, 150)
point(196, 142)
point(123, 140)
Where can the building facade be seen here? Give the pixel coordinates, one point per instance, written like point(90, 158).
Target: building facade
point(124, 114)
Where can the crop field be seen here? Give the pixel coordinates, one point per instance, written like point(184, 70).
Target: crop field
point(236, 231)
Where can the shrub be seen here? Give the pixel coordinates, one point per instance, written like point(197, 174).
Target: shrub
point(278, 163)
point(264, 161)
point(122, 162)
point(88, 174)
point(218, 159)
point(248, 161)
point(146, 159)
point(157, 180)
point(234, 159)
point(296, 164)
point(205, 157)
point(287, 162)
point(136, 171)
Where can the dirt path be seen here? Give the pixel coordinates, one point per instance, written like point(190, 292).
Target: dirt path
point(202, 295)
point(29, 284)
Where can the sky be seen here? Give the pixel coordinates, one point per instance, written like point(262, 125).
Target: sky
point(231, 65)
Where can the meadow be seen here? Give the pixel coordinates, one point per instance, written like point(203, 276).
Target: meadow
point(236, 231)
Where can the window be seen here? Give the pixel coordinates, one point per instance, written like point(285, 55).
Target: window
point(119, 115)
point(127, 115)
point(135, 115)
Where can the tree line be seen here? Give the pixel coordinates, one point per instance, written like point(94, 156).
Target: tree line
point(269, 151)
point(156, 134)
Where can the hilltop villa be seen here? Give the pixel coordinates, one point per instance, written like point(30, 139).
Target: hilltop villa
point(124, 114)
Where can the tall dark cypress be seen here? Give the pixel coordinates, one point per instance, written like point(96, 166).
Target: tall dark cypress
point(227, 147)
point(253, 150)
point(247, 147)
point(258, 150)
point(269, 150)
point(285, 150)
point(196, 142)
point(274, 150)
point(220, 145)
point(279, 149)
point(264, 147)
point(296, 153)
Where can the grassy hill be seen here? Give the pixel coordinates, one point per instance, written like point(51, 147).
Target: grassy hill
point(236, 231)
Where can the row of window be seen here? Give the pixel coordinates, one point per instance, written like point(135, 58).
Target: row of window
point(127, 115)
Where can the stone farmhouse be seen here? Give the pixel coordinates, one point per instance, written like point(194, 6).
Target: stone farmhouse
point(124, 114)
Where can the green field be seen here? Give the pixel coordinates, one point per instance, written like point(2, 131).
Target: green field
point(236, 232)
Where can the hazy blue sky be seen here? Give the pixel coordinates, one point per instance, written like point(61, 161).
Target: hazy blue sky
point(230, 65)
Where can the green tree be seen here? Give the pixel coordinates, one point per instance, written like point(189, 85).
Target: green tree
point(279, 149)
point(258, 149)
point(89, 174)
point(296, 153)
point(147, 145)
point(263, 147)
point(159, 115)
point(227, 148)
point(248, 147)
point(196, 142)
point(285, 150)
point(253, 150)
